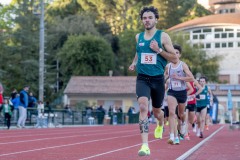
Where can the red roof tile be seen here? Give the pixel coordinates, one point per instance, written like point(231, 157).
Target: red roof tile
point(101, 85)
point(116, 85)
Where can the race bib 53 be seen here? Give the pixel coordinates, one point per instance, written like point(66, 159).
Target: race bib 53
point(149, 58)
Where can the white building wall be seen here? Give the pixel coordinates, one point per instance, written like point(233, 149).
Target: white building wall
point(227, 45)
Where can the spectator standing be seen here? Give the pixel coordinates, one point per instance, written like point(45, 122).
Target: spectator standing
point(88, 112)
point(41, 119)
point(130, 110)
point(133, 110)
point(110, 109)
point(68, 110)
point(1, 98)
point(119, 110)
point(101, 109)
point(49, 108)
point(100, 114)
point(40, 108)
point(15, 103)
point(23, 104)
point(1, 95)
point(32, 100)
point(7, 111)
point(14, 93)
point(115, 109)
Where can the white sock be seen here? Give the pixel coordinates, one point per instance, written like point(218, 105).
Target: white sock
point(198, 130)
point(172, 136)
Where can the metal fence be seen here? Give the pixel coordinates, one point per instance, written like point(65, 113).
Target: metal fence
point(57, 117)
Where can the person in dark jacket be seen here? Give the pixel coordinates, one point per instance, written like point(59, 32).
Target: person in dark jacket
point(14, 93)
point(32, 101)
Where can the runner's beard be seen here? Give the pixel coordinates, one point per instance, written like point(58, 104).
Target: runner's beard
point(150, 27)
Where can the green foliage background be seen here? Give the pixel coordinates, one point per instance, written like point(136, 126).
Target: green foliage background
point(85, 37)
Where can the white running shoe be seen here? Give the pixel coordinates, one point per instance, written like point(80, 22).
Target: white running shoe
point(195, 128)
point(198, 132)
point(183, 128)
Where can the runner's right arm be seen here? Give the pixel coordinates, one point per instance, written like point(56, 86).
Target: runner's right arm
point(134, 62)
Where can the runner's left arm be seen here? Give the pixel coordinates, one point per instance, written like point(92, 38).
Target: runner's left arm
point(190, 88)
point(189, 76)
point(210, 93)
point(198, 86)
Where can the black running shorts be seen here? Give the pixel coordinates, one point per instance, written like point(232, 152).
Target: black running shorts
point(191, 107)
point(181, 96)
point(199, 109)
point(151, 87)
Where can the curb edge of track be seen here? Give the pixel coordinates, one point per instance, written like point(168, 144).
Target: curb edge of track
point(189, 152)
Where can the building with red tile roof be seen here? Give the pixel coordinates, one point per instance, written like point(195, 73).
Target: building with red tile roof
point(102, 90)
point(120, 91)
point(218, 34)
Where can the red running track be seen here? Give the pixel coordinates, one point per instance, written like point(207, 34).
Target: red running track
point(99, 143)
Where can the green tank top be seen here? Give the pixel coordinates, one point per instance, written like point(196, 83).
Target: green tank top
point(149, 62)
point(203, 98)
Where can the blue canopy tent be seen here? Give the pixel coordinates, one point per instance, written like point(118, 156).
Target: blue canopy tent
point(230, 104)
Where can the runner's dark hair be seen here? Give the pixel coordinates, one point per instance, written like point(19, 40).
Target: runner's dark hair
point(178, 47)
point(149, 9)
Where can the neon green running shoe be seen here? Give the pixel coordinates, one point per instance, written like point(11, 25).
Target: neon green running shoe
point(158, 132)
point(167, 123)
point(144, 151)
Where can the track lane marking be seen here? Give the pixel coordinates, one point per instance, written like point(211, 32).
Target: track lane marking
point(32, 134)
point(196, 147)
point(65, 137)
point(53, 147)
point(116, 150)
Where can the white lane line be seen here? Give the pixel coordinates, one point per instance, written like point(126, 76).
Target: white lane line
point(82, 135)
point(97, 155)
point(33, 134)
point(33, 130)
point(116, 150)
point(189, 152)
point(73, 144)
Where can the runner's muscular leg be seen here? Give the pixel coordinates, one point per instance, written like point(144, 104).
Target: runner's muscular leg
point(143, 118)
point(172, 103)
point(181, 111)
point(158, 113)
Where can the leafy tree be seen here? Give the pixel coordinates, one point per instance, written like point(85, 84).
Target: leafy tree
point(85, 55)
point(119, 14)
point(20, 47)
point(58, 31)
point(117, 21)
point(196, 11)
point(126, 54)
point(63, 9)
point(5, 17)
point(173, 12)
